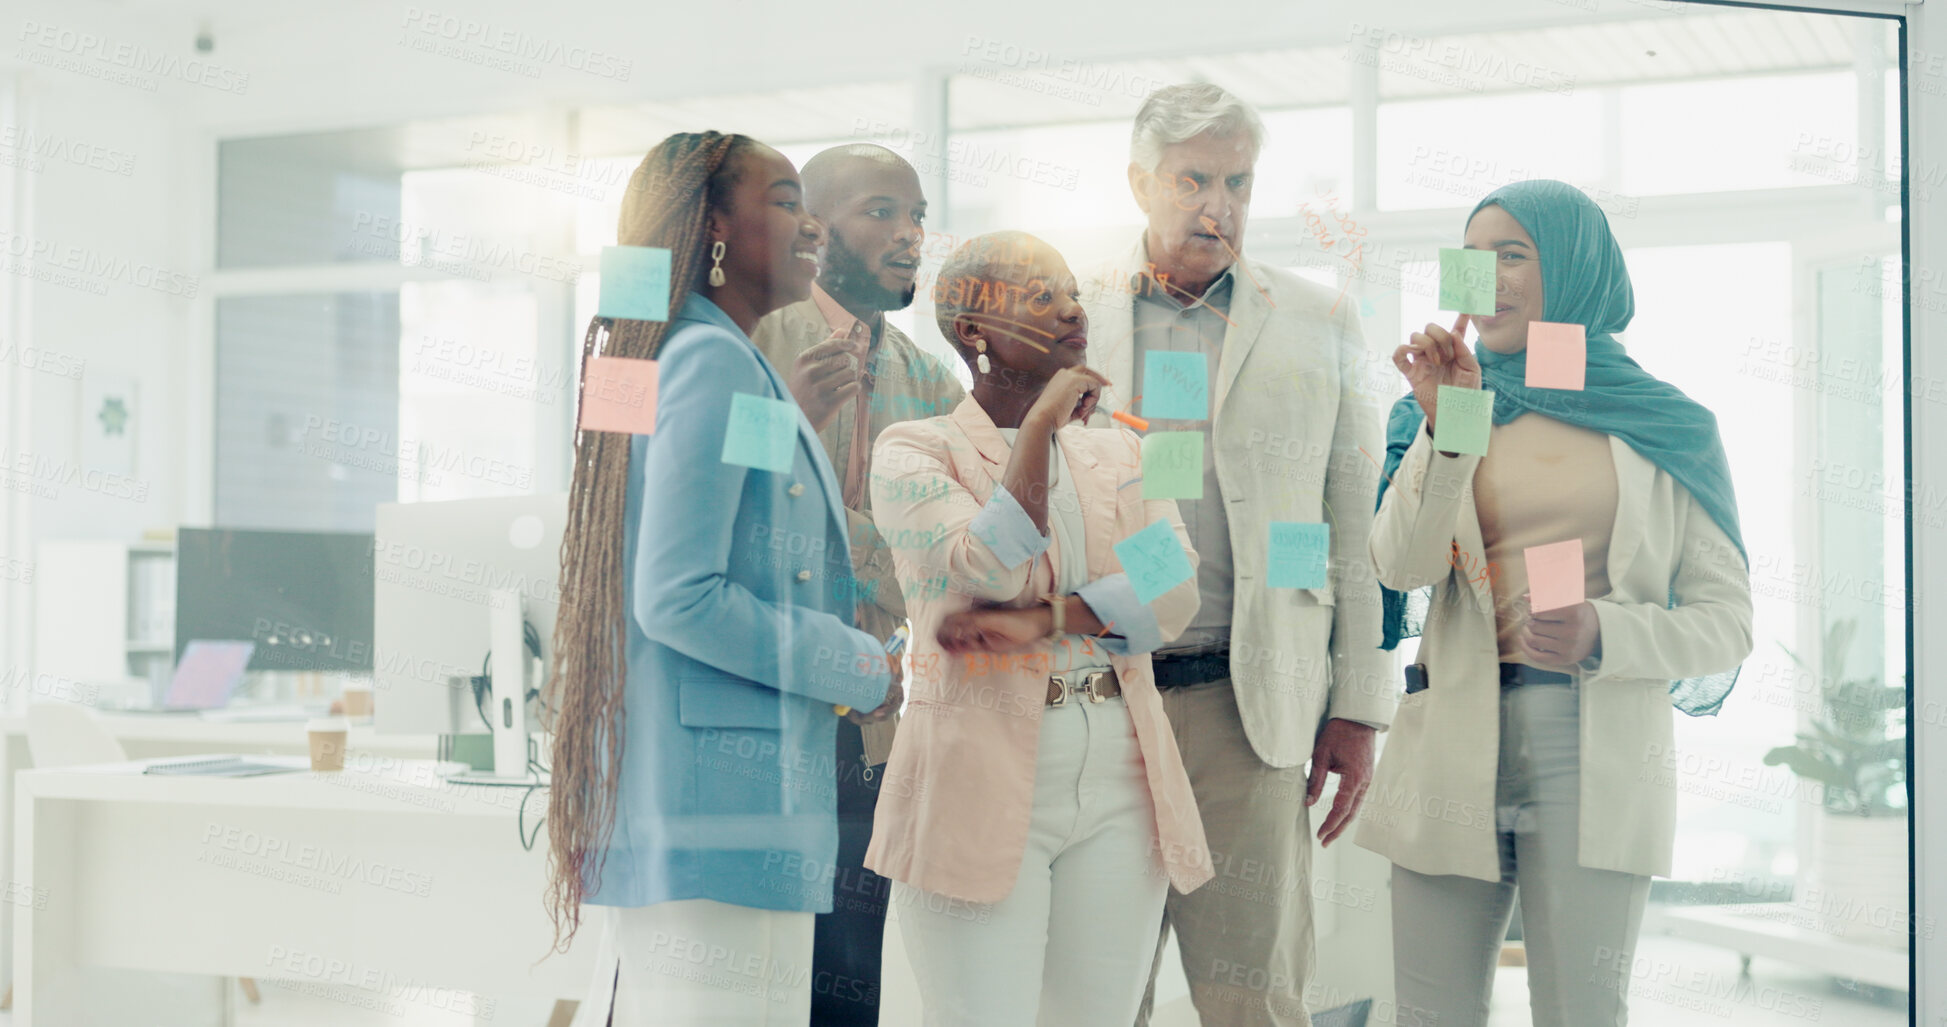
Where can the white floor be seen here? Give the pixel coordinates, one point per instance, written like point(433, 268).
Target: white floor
point(1711, 996)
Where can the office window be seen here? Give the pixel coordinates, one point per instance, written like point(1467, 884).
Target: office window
point(1786, 125)
point(1425, 162)
point(307, 410)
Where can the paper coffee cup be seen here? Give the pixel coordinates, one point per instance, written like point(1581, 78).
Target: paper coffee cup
point(328, 736)
point(358, 701)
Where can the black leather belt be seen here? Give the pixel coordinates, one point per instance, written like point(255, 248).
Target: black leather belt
point(1514, 675)
point(1190, 668)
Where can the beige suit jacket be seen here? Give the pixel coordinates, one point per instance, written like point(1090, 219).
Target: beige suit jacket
point(1290, 427)
point(1431, 806)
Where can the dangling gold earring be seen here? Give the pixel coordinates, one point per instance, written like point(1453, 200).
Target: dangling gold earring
point(716, 270)
point(981, 361)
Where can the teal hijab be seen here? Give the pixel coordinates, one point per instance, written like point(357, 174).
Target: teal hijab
point(1584, 282)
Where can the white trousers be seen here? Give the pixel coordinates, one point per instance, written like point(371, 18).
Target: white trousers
point(1575, 920)
point(698, 962)
point(1073, 942)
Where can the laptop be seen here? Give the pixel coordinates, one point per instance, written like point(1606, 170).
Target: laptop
point(206, 676)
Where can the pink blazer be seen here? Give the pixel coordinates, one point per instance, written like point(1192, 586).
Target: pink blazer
point(957, 796)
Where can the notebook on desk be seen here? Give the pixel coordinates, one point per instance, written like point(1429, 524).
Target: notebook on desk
point(215, 766)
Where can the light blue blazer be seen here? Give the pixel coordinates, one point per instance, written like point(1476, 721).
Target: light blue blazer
point(739, 600)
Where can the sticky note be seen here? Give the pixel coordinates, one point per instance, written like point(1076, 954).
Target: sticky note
point(619, 394)
point(635, 283)
point(1555, 575)
point(1558, 355)
point(761, 432)
point(1467, 281)
point(1461, 420)
point(1173, 465)
point(1154, 560)
point(1176, 385)
point(1365, 308)
point(1298, 554)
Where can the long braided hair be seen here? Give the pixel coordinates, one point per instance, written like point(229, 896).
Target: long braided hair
point(672, 191)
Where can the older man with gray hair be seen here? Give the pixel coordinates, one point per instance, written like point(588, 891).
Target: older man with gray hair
point(1282, 664)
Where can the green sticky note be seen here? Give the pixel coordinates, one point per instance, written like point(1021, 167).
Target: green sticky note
point(1467, 281)
point(635, 283)
point(1154, 560)
point(1462, 418)
point(1298, 554)
point(1173, 465)
point(761, 432)
point(1176, 386)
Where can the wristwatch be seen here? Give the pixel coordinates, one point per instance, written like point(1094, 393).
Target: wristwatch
point(1059, 604)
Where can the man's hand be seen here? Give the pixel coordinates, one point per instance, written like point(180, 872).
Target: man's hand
point(895, 696)
point(826, 377)
point(1343, 748)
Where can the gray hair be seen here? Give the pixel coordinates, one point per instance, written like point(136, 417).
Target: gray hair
point(1175, 114)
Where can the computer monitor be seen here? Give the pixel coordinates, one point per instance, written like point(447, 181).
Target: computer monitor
point(303, 597)
point(436, 568)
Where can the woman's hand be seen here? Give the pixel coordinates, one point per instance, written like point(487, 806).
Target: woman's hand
point(895, 697)
point(995, 630)
point(1070, 395)
point(1563, 637)
point(1436, 357)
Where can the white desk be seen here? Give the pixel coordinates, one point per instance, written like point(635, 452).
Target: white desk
point(387, 883)
point(1777, 930)
point(149, 735)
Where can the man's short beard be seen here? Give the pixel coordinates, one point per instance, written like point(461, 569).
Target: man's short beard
point(846, 275)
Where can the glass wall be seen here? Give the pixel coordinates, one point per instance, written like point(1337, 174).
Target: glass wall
point(1740, 159)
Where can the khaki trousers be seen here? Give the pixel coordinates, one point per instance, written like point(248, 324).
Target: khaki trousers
point(1246, 935)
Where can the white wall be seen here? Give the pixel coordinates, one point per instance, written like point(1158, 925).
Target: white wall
point(128, 240)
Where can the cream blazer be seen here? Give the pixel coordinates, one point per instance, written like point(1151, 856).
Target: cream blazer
point(1295, 441)
point(958, 794)
point(1431, 806)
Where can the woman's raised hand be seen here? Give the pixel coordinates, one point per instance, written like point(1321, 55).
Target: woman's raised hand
point(1070, 395)
point(1435, 357)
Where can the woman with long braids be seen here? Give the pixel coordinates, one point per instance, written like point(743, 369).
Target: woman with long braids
point(1521, 765)
point(705, 635)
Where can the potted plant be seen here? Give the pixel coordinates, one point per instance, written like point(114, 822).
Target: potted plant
point(1857, 886)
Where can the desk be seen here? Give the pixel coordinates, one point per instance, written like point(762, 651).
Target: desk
point(380, 885)
point(149, 735)
point(1778, 930)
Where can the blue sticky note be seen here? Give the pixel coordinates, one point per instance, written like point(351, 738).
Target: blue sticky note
point(1154, 560)
point(635, 283)
point(1298, 554)
point(1176, 386)
point(761, 432)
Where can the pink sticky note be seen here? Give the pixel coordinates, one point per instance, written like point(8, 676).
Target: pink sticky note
point(619, 394)
point(1555, 575)
point(1558, 355)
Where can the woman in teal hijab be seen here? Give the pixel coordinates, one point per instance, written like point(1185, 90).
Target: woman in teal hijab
point(1530, 755)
